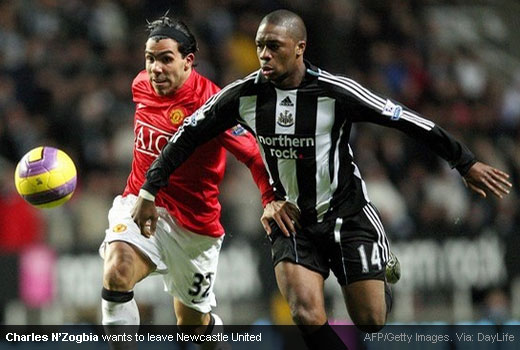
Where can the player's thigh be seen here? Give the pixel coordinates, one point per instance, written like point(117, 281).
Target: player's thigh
point(359, 252)
point(300, 269)
point(365, 302)
point(303, 290)
point(122, 228)
point(358, 247)
point(192, 261)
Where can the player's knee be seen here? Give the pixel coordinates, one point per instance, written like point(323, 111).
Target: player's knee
point(370, 328)
point(118, 276)
point(370, 320)
point(123, 267)
point(307, 315)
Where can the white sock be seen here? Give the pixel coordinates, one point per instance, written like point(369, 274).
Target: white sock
point(218, 320)
point(115, 313)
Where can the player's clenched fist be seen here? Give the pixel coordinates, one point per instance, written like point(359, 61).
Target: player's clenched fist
point(145, 216)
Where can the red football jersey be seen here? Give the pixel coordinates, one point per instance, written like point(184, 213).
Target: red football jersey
point(191, 195)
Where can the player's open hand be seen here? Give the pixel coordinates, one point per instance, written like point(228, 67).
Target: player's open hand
point(285, 214)
point(482, 178)
point(145, 216)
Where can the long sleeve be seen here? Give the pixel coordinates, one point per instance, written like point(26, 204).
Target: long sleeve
point(243, 146)
point(214, 117)
point(365, 106)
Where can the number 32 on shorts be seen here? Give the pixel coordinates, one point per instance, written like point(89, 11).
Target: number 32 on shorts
point(200, 280)
point(375, 258)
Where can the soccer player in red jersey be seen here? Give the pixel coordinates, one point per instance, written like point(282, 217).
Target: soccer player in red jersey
point(188, 235)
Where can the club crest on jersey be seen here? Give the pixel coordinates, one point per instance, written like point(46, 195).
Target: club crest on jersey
point(119, 228)
point(176, 116)
point(285, 119)
point(238, 130)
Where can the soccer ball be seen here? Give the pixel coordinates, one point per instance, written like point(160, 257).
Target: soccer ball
point(45, 177)
point(393, 269)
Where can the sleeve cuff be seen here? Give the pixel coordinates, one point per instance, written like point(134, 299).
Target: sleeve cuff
point(268, 197)
point(150, 188)
point(146, 195)
point(464, 168)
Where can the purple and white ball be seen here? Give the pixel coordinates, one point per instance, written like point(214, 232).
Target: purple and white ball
point(45, 177)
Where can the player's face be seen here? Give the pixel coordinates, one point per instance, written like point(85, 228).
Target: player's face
point(166, 67)
point(278, 53)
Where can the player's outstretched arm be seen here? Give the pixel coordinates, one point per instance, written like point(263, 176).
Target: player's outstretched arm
point(144, 214)
point(482, 178)
point(285, 214)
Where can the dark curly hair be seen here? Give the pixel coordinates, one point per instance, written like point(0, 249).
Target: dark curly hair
point(185, 46)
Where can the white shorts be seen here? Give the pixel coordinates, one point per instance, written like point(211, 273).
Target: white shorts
point(187, 261)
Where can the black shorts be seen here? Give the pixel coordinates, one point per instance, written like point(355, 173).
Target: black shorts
point(354, 247)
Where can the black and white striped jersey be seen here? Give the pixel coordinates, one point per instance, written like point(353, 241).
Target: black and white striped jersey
point(303, 134)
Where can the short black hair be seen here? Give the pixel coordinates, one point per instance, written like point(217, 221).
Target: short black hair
point(185, 46)
point(290, 20)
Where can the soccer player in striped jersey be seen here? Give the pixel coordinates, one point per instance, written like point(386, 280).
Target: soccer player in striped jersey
point(302, 117)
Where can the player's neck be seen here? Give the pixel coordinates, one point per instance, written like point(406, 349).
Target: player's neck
point(294, 78)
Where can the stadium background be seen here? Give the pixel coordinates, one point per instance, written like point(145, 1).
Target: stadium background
point(66, 68)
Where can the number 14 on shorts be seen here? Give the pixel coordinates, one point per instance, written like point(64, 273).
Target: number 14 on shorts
point(375, 258)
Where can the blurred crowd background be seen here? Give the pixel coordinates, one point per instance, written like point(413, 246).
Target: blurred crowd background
point(66, 68)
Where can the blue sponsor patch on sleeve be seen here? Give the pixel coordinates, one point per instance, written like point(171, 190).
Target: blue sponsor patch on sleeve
point(238, 130)
point(392, 110)
point(397, 113)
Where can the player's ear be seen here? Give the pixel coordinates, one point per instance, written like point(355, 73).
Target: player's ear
point(300, 48)
point(189, 61)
